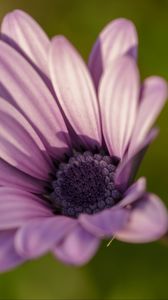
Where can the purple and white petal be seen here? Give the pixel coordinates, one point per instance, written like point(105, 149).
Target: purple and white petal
point(75, 91)
point(77, 248)
point(133, 193)
point(38, 236)
point(148, 221)
point(106, 222)
point(12, 177)
point(30, 95)
point(20, 29)
point(17, 207)
point(129, 166)
point(118, 38)
point(119, 94)
point(20, 145)
point(9, 258)
point(153, 98)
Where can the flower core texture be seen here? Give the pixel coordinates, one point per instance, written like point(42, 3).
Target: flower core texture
point(85, 184)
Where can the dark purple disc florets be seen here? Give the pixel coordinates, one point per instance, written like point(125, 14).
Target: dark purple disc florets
point(85, 184)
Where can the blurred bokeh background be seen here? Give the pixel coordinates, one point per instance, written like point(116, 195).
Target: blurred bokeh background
point(121, 271)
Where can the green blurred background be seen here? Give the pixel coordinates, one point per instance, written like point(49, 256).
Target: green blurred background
point(122, 271)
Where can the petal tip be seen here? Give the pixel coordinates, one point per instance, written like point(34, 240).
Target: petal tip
point(59, 39)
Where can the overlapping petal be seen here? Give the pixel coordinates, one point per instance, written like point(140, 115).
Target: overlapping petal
point(75, 91)
point(9, 258)
point(118, 38)
point(31, 96)
point(153, 98)
point(17, 207)
point(20, 145)
point(129, 166)
point(133, 193)
point(38, 236)
point(119, 94)
point(20, 29)
point(105, 223)
point(77, 248)
point(148, 221)
point(12, 177)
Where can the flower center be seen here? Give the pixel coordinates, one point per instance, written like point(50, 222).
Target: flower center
point(85, 184)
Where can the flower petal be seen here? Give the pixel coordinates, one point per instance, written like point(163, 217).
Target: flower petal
point(154, 95)
point(129, 166)
point(74, 88)
point(148, 221)
point(77, 248)
point(118, 38)
point(31, 96)
point(17, 207)
point(20, 145)
point(119, 93)
point(38, 236)
point(105, 223)
point(134, 192)
point(21, 29)
point(12, 177)
point(8, 256)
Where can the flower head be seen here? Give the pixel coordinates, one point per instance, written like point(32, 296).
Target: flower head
point(71, 140)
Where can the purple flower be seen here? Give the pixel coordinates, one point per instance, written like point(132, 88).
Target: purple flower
point(71, 140)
